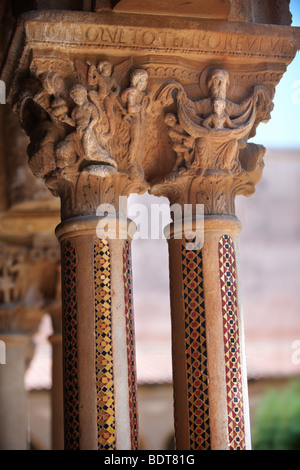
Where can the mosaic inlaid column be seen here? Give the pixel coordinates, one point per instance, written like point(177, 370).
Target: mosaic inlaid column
point(56, 341)
point(99, 351)
point(210, 382)
point(214, 163)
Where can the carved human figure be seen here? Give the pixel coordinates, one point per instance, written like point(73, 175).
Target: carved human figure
point(49, 98)
point(218, 84)
point(50, 128)
point(182, 143)
point(217, 126)
point(107, 89)
point(6, 278)
point(82, 142)
point(137, 102)
point(219, 119)
point(20, 271)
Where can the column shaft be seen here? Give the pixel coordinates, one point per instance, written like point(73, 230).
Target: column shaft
point(99, 354)
point(210, 383)
point(57, 415)
point(14, 432)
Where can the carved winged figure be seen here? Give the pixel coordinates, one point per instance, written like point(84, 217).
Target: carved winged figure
point(137, 101)
point(218, 126)
point(182, 143)
point(105, 82)
point(82, 142)
point(121, 108)
point(108, 90)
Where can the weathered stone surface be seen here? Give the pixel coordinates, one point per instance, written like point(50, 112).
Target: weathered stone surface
point(216, 9)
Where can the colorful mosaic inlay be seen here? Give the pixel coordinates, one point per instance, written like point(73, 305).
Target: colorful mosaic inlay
point(70, 347)
point(132, 387)
point(196, 349)
point(236, 426)
point(103, 347)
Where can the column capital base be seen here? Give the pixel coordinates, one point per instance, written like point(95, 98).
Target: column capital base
point(112, 226)
point(207, 223)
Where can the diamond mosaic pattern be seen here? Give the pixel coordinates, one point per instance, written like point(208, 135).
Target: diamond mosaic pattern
point(103, 347)
point(70, 347)
point(236, 427)
point(196, 349)
point(130, 347)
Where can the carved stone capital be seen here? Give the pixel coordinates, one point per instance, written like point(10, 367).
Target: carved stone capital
point(20, 319)
point(209, 136)
point(86, 130)
point(119, 104)
point(28, 275)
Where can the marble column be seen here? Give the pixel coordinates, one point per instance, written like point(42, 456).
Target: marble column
point(57, 414)
point(14, 429)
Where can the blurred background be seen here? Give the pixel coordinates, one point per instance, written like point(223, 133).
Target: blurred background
point(269, 252)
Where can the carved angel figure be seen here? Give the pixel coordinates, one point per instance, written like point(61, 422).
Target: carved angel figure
point(218, 84)
point(182, 142)
point(6, 278)
point(107, 89)
point(14, 276)
point(121, 114)
point(218, 126)
point(82, 142)
point(219, 119)
point(137, 101)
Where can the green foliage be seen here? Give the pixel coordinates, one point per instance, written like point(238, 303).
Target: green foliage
point(277, 422)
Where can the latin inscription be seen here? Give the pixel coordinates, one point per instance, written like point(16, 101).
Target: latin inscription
point(156, 40)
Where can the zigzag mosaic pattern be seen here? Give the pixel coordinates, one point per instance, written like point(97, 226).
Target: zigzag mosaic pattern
point(132, 387)
point(227, 263)
point(70, 347)
point(103, 347)
point(196, 349)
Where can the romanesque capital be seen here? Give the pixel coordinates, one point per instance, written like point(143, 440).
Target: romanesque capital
point(213, 159)
point(86, 131)
point(28, 282)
